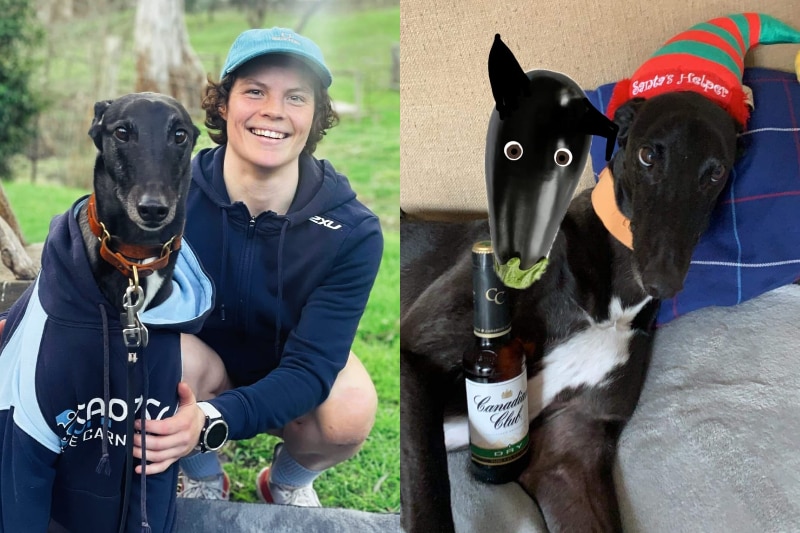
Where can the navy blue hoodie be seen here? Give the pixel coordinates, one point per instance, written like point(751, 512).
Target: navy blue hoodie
point(306, 275)
point(54, 394)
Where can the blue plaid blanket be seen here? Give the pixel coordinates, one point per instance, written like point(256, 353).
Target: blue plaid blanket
point(753, 242)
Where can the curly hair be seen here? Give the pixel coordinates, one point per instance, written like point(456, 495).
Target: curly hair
point(216, 96)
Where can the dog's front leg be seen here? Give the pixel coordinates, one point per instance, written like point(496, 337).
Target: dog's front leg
point(424, 484)
point(570, 473)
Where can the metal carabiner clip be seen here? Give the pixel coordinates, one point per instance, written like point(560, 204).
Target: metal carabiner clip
point(134, 333)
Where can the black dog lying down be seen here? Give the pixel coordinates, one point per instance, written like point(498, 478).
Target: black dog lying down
point(591, 318)
point(76, 366)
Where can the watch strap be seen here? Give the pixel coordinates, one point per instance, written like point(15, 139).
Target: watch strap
point(213, 417)
point(209, 410)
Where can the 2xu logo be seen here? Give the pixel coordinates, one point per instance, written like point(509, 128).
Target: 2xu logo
point(325, 222)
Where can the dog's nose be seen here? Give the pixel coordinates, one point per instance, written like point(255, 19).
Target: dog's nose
point(662, 288)
point(152, 210)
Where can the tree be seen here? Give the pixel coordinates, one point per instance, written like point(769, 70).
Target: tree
point(19, 106)
point(256, 10)
point(310, 10)
point(165, 61)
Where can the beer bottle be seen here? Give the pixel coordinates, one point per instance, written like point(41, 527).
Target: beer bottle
point(496, 379)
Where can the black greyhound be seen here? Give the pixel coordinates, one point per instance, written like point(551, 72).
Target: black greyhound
point(75, 350)
point(141, 180)
point(589, 320)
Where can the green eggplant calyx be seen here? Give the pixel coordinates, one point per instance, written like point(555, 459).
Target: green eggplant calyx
point(511, 275)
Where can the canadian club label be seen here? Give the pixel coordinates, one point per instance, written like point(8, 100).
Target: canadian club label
point(498, 420)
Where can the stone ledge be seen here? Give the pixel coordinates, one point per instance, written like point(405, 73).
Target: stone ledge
point(10, 291)
point(201, 516)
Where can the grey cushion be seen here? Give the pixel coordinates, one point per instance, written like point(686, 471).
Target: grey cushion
point(714, 444)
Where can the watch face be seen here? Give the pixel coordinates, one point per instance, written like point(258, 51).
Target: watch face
point(216, 434)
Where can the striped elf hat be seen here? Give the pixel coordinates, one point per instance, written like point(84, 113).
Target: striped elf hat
point(708, 59)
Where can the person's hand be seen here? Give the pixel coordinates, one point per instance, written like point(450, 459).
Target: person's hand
point(2, 327)
point(171, 438)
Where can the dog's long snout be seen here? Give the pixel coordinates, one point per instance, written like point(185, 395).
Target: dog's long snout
point(661, 287)
point(152, 209)
point(664, 268)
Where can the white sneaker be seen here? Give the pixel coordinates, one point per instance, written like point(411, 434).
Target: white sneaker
point(216, 488)
point(269, 492)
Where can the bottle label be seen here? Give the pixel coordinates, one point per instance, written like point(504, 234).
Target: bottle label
point(498, 420)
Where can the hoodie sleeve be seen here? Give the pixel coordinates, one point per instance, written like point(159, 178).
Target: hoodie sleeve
point(28, 471)
point(29, 449)
point(317, 348)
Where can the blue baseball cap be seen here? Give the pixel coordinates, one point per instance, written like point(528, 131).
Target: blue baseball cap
point(255, 43)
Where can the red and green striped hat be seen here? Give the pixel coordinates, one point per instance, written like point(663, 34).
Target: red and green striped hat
point(708, 59)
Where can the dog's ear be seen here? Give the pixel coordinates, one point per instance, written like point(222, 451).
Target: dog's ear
point(196, 132)
point(97, 122)
point(624, 116)
point(596, 123)
point(506, 77)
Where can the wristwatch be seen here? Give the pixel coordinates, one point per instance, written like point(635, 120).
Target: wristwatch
point(215, 430)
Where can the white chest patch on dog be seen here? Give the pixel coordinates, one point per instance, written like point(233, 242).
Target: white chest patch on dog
point(152, 283)
point(583, 360)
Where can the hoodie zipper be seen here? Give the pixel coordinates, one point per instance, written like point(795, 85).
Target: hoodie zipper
point(244, 273)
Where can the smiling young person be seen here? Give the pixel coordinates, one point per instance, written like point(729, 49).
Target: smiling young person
point(293, 256)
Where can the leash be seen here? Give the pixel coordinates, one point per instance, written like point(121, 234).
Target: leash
point(128, 256)
point(127, 260)
point(135, 336)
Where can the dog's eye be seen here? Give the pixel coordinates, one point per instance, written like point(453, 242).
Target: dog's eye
point(563, 157)
point(181, 136)
point(718, 173)
point(122, 134)
point(647, 156)
point(513, 150)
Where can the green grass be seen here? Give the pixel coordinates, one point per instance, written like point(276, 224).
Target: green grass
point(35, 205)
point(365, 148)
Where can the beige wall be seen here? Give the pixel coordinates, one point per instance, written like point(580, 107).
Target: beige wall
point(445, 98)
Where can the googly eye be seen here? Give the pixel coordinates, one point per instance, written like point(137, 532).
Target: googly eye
point(513, 150)
point(718, 173)
point(647, 156)
point(122, 134)
point(563, 157)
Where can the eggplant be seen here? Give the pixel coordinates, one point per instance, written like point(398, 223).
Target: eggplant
point(537, 145)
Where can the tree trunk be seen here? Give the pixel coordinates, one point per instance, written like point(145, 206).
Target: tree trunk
point(165, 61)
point(14, 255)
point(307, 15)
point(7, 214)
point(255, 15)
point(50, 11)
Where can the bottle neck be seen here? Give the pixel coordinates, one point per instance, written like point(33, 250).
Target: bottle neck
point(488, 342)
point(492, 316)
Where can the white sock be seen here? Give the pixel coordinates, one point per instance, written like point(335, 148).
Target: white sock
point(289, 473)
